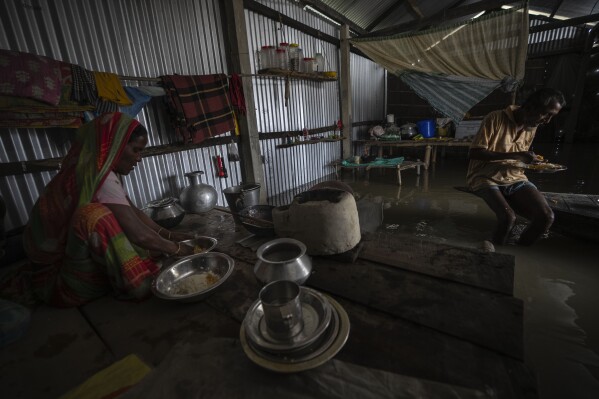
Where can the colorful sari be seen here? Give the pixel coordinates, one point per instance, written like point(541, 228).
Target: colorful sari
point(77, 248)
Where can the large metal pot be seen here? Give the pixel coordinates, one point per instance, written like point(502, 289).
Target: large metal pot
point(166, 212)
point(408, 131)
point(198, 197)
point(283, 259)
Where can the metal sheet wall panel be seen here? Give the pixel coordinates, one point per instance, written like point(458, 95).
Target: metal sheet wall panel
point(368, 92)
point(294, 10)
point(145, 38)
point(311, 104)
point(149, 38)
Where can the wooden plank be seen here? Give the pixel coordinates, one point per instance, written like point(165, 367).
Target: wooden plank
point(485, 318)
point(576, 215)
point(491, 271)
point(380, 341)
point(345, 91)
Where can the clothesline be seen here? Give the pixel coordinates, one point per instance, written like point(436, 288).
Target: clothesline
point(156, 80)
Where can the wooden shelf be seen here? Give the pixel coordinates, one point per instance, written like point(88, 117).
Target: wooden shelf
point(281, 73)
point(309, 142)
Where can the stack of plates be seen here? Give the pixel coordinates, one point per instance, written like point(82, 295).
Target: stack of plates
point(325, 331)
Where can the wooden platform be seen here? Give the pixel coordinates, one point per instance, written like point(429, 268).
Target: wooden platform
point(405, 165)
point(427, 311)
point(576, 215)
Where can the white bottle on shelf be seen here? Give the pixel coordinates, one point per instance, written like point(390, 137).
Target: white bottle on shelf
point(299, 60)
point(319, 58)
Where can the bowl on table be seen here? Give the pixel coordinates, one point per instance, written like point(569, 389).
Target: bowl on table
point(193, 278)
point(201, 244)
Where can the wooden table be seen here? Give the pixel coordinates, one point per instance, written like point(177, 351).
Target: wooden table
point(430, 146)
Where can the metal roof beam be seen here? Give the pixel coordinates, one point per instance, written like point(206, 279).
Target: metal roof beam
point(334, 15)
point(565, 22)
point(557, 6)
point(385, 14)
point(441, 17)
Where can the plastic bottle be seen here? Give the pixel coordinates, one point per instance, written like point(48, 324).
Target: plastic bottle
point(285, 47)
point(319, 61)
point(266, 57)
point(299, 60)
point(293, 56)
point(280, 59)
point(308, 65)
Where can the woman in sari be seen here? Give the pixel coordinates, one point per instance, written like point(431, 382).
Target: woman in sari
point(85, 238)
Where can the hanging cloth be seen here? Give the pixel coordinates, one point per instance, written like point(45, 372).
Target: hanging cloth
point(84, 86)
point(455, 67)
point(199, 105)
point(110, 88)
point(492, 47)
point(140, 99)
point(453, 96)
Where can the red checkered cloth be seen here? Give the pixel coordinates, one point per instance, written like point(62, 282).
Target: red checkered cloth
point(199, 105)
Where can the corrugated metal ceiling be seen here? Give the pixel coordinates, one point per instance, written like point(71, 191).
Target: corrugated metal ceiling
point(372, 15)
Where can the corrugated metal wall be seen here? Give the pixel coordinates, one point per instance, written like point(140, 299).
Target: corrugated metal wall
point(311, 104)
point(149, 38)
point(555, 40)
point(145, 38)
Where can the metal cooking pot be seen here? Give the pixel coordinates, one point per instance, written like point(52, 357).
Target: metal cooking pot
point(283, 259)
point(408, 131)
point(166, 212)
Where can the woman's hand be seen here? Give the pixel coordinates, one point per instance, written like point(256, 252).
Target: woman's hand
point(183, 250)
point(180, 236)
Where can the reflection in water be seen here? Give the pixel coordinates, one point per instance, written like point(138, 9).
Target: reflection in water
point(556, 278)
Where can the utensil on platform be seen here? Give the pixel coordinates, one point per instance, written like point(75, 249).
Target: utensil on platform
point(193, 278)
point(282, 309)
point(198, 197)
point(165, 212)
point(283, 259)
point(201, 244)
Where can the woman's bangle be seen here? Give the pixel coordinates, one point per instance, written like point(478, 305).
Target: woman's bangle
point(178, 249)
point(159, 230)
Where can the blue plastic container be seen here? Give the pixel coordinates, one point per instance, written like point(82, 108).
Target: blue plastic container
point(426, 128)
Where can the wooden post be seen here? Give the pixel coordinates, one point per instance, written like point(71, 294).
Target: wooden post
point(346, 96)
point(238, 59)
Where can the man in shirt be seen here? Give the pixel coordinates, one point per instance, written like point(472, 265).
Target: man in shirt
point(507, 135)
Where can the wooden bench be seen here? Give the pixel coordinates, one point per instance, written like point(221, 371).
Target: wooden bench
point(399, 167)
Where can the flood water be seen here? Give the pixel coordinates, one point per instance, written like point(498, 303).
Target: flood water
point(557, 278)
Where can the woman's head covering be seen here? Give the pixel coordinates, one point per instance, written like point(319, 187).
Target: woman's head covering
point(95, 151)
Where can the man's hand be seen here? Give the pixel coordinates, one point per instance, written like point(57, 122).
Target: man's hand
point(524, 156)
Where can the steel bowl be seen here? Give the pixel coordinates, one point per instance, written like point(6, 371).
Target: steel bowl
point(263, 212)
point(207, 243)
point(167, 285)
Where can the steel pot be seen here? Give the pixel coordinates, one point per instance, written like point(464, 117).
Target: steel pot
point(283, 259)
point(166, 212)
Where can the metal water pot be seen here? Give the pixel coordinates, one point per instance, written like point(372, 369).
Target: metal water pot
point(283, 259)
point(166, 212)
point(198, 197)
